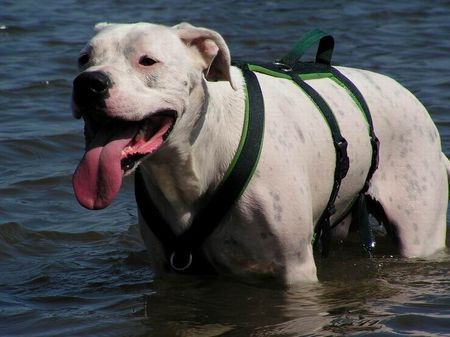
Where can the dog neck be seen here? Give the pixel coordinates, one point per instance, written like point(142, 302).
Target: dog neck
point(183, 174)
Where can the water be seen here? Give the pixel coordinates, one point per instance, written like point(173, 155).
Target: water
point(66, 271)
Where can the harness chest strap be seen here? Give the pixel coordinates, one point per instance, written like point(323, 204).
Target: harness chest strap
point(183, 251)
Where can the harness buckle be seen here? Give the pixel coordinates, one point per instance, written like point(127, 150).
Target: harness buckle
point(375, 142)
point(184, 264)
point(341, 148)
point(331, 210)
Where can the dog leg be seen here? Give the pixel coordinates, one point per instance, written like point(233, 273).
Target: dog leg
point(415, 204)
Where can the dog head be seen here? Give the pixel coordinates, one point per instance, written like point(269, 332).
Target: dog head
point(135, 84)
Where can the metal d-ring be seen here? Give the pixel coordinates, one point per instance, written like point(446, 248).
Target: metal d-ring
point(282, 66)
point(182, 268)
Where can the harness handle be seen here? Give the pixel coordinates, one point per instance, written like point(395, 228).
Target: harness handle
point(324, 51)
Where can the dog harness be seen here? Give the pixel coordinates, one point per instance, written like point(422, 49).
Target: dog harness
point(184, 251)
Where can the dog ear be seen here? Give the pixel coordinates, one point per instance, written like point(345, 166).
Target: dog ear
point(212, 48)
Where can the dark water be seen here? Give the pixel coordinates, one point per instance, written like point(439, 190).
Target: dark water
point(66, 271)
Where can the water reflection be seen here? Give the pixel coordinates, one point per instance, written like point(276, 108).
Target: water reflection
point(362, 295)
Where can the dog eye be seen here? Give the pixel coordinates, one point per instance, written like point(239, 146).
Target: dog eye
point(83, 60)
point(146, 61)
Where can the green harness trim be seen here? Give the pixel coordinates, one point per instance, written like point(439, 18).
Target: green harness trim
point(242, 140)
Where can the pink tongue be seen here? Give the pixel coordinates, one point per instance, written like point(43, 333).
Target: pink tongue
point(98, 177)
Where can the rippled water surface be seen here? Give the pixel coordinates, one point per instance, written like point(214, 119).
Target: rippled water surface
point(66, 271)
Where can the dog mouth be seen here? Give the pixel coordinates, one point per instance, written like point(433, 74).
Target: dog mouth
point(114, 148)
point(151, 135)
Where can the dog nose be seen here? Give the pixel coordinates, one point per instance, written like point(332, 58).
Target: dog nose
point(91, 88)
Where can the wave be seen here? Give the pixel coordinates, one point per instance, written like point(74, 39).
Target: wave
point(16, 240)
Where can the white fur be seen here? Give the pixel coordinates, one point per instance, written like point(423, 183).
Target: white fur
point(268, 232)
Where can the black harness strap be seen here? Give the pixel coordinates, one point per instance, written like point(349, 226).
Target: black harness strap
point(323, 226)
point(360, 215)
point(183, 251)
point(375, 143)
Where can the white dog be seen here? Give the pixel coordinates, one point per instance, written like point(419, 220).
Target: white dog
point(167, 99)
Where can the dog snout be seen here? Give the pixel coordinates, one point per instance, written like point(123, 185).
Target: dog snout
point(91, 89)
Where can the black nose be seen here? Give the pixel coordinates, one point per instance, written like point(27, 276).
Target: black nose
point(91, 88)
